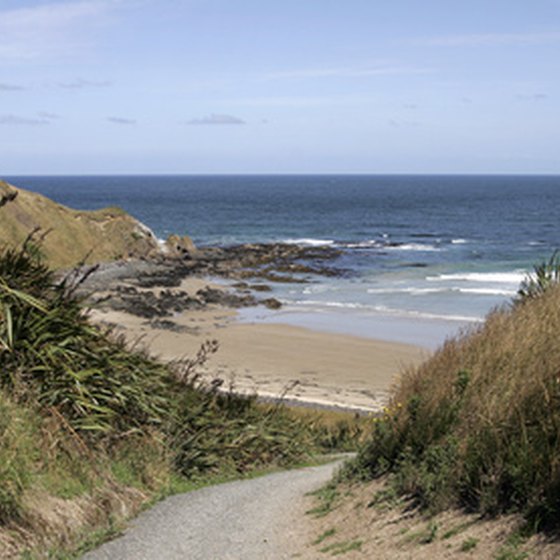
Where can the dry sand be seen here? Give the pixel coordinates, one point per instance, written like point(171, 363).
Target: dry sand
point(270, 359)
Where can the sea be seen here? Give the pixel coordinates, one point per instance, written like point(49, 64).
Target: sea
point(425, 257)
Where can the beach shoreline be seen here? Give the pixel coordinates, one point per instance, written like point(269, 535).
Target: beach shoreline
point(302, 366)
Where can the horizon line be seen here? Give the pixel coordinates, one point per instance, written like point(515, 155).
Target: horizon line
point(293, 174)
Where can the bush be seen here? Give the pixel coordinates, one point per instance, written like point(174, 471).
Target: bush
point(51, 354)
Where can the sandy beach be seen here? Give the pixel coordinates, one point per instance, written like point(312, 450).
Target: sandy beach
point(273, 359)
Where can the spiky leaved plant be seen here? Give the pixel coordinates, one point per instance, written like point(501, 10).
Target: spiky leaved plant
point(50, 354)
point(544, 275)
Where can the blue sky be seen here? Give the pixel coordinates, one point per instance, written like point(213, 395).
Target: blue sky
point(298, 86)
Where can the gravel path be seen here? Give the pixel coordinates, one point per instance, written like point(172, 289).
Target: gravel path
point(259, 519)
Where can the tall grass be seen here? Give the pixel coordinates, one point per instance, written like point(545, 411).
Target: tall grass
point(477, 425)
point(17, 455)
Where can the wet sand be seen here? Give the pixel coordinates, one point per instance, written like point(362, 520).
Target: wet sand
point(273, 359)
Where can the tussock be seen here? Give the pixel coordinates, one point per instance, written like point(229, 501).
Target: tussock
point(477, 425)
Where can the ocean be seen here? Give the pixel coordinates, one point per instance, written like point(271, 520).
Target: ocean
point(425, 256)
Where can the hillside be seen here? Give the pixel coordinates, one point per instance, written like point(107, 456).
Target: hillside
point(91, 430)
point(470, 440)
point(73, 235)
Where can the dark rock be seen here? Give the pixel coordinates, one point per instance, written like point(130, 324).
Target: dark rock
point(227, 299)
point(260, 287)
point(167, 325)
point(7, 193)
point(149, 305)
point(271, 303)
point(268, 262)
point(181, 247)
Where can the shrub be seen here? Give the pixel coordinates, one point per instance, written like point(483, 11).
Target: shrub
point(49, 352)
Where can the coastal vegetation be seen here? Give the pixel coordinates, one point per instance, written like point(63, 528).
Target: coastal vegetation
point(477, 426)
point(91, 431)
point(71, 236)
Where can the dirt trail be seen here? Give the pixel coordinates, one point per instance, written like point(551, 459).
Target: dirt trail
point(242, 520)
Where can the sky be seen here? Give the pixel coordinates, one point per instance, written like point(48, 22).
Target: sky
point(291, 86)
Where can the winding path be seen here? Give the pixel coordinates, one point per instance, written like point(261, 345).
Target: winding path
point(257, 519)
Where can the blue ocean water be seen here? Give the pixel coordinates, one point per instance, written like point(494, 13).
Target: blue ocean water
point(425, 254)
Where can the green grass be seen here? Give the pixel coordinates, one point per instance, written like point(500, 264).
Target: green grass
point(385, 499)
point(327, 496)
point(18, 454)
point(90, 541)
point(337, 549)
point(425, 535)
point(468, 544)
point(430, 534)
point(457, 529)
point(511, 550)
point(324, 536)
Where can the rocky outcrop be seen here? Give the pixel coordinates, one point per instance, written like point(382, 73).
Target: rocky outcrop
point(272, 262)
point(182, 247)
point(166, 303)
point(72, 236)
point(7, 193)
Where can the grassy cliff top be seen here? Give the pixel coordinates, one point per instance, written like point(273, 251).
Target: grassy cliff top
point(71, 235)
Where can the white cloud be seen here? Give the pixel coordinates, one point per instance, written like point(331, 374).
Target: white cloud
point(48, 29)
point(396, 123)
point(346, 72)
point(216, 119)
point(492, 39)
point(19, 121)
point(121, 120)
point(11, 87)
point(80, 83)
point(532, 97)
point(49, 16)
point(47, 115)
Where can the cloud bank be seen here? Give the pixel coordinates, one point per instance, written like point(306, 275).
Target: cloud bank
point(47, 29)
point(47, 115)
point(492, 39)
point(216, 119)
point(11, 87)
point(121, 120)
point(80, 83)
point(16, 120)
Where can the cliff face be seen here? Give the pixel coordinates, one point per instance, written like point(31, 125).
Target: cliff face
point(73, 235)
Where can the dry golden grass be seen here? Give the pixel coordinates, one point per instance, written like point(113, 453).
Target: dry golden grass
point(478, 423)
point(74, 235)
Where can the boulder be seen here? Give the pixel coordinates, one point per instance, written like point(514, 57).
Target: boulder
point(7, 193)
point(181, 247)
